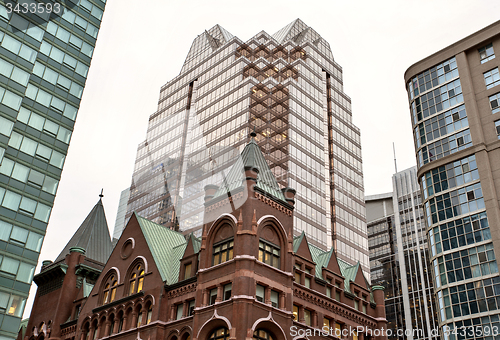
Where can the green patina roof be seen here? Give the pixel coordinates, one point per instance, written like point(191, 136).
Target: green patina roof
point(322, 258)
point(87, 288)
point(251, 156)
point(166, 246)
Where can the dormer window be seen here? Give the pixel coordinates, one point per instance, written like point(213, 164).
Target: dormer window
point(136, 280)
point(223, 251)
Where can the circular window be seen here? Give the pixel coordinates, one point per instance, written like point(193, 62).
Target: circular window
point(127, 248)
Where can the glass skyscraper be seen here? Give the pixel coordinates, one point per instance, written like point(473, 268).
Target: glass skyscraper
point(399, 257)
point(453, 97)
point(44, 61)
point(288, 89)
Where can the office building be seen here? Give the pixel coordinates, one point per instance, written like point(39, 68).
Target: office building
point(288, 89)
point(247, 277)
point(399, 256)
point(384, 264)
point(120, 214)
point(453, 96)
point(44, 62)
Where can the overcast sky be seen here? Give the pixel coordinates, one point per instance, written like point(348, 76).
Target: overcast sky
point(143, 44)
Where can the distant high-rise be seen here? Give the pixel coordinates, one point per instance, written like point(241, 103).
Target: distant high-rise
point(288, 88)
point(120, 214)
point(399, 257)
point(454, 103)
point(44, 61)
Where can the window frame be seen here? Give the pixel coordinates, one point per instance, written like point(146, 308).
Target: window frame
point(228, 251)
point(274, 257)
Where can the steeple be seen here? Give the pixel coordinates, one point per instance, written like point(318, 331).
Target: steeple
point(92, 235)
point(251, 158)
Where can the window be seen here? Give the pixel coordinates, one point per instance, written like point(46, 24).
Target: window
point(260, 293)
point(295, 312)
point(492, 78)
point(220, 334)
point(227, 292)
point(363, 306)
point(497, 128)
point(326, 323)
point(494, 103)
point(187, 271)
point(329, 292)
point(338, 330)
point(213, 296)
point(180, 310)
point(223, 251)
point(139, 318)
point(261, 334)
point(486, 53)
point(269, 253)
point(136, 280)
point(356, 304)
point(275, 296)
point(307, 317)
point(297, 273)
point(150, 314)
point(355, 335)
point(109, 293)
point(191, 307)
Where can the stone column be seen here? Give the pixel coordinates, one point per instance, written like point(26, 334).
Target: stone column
point(117, 324)
point(107, 326)
point(267, 295)
point(219, 293)
point(134, 320)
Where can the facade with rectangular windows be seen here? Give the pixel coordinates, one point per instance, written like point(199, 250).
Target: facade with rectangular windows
point(288, 88)
point(453, 96)
point(399, 256)
point(44, 61)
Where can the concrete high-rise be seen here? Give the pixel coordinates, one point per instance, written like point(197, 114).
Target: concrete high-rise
point(399, 257)
point(453, 96)
point(288, 88)
point(45, 54)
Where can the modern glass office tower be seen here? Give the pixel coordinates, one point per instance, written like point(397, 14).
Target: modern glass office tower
point(399, 257)
point(384, 263)
point(288, 88)
point(44, 61)
point(453, 96)
point(120, 214)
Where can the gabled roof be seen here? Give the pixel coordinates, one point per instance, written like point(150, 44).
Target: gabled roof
point(93, 236)
point(210, 40)
point(166, 246)
point(322, 259)
point(251, 156)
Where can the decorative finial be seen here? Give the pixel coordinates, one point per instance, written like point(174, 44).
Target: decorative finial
point(253, 134)
point(101, 195)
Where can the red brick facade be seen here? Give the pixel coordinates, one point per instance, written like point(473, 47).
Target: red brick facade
point(247, 278)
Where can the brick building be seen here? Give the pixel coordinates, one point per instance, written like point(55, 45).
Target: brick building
point(247, 277)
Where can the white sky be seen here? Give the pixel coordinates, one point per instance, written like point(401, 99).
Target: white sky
point(142, 45)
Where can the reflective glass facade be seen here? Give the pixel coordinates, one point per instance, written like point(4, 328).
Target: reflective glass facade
point(452, 97)
point(288, 88)
point(44, 61)
point(413, 255)
point(399, 257)
point(384, 263)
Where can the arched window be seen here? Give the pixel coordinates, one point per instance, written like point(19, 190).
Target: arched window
point(109, 293)
point(139, 316)
point(136, 281)
point(120, 321)
point(220, 334)
point(112, 320)
point(261, 334)
point(150, 314)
